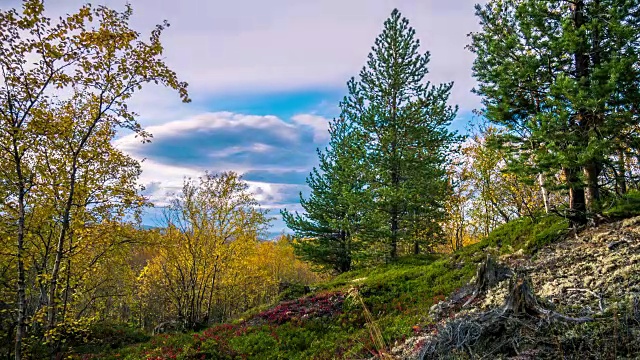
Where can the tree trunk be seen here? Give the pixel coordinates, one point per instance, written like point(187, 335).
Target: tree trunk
point(459, 237)
point(594, 118)
point(577, 205)
point(416, 248)
point(394, 234)
point(592, 193)
point(21, 328)
point(213, 288)
point(586, 120)
point(66, 223)
point(395, 178)
point(577, 200)
point(67, 287)
point(395, 181)
point(345, 262)
point(22, 301)
point(543, 191)
point(621, 174)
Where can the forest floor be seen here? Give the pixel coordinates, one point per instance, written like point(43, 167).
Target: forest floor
point(585, 286)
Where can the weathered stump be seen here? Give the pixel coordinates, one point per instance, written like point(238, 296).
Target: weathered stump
point(489, 274)
point(521, 299)
point(499, 329)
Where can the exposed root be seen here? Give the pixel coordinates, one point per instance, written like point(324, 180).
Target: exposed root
point(498, 329)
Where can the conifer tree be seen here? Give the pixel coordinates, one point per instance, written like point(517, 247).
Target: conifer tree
point(562, 78)
point(404, 120)
point(333, 211)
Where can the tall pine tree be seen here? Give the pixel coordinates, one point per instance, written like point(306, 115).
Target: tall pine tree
point(404, 119)
point(334, 210)
point(562, 78)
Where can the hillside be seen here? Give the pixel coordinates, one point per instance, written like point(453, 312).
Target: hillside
point(587, 304)
point(587, 288)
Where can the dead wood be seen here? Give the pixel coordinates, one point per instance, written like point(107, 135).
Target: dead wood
point(499, 329)
point(489, 274)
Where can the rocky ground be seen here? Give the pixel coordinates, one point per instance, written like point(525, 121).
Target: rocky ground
point(583, 284)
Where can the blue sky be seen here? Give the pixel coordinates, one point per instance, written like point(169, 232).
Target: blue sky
point(265, 77)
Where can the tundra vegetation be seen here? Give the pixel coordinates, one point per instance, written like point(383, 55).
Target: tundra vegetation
point(415, 241)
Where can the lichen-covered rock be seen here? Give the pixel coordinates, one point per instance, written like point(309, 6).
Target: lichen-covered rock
point(587, 270)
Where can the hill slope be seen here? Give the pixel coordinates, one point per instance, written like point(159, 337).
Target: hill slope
point(586, 305)
point(593, 277)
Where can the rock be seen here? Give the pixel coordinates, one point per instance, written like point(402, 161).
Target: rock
point(168, 327)
point(616, 244)
point(635, 221)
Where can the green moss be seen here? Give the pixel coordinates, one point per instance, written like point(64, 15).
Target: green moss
point(527, 233)
point(547, 230)
point(623, 207)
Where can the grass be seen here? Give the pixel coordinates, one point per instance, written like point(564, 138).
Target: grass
point(525, 234)
point(392, 302)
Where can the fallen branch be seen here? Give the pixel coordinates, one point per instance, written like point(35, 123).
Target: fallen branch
point(597, 295)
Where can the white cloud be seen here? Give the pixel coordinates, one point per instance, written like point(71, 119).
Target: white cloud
point(319, 124)
point(274, 196)
point(263, 147)
point(217, 121)
point(163, 182)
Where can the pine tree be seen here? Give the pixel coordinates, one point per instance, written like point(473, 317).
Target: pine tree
point(333, 211)
point(404, 119)
point(561, 77)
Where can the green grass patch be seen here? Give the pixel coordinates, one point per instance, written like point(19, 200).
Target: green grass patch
point(527, 234)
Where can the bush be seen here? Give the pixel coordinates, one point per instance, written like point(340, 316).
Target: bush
point(292, 291)
point(327, 324)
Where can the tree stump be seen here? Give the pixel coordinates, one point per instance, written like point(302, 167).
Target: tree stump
point(521, 299)
point(489, 274)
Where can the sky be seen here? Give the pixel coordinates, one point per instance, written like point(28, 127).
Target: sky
point(265, 77)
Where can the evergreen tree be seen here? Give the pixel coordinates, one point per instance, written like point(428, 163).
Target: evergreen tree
point(562, 78)
point(333, 211)
point(404, 119)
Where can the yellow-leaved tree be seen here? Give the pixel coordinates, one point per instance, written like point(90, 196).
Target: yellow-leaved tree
point(212, 227)
point(64, 89)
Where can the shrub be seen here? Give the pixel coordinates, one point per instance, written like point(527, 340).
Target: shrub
point(327, 325)
point(293, 291)
point(324, 304)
